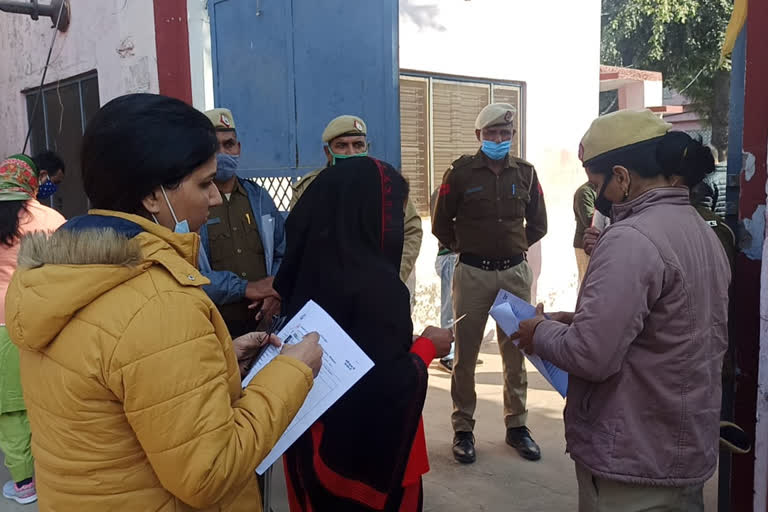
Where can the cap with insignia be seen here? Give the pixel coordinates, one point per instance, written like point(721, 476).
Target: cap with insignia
point(620, 130)
point(344, 126)
point(495, 114)
point(221, 118)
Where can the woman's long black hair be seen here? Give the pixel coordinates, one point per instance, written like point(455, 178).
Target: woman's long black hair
point(10, 219)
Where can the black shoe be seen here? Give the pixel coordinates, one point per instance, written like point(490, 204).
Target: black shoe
point(464, 447)
point(520, 439)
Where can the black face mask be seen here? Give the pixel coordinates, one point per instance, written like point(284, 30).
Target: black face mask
point(602, 204)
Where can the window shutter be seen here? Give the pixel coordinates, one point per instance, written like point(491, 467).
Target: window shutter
point(414, 137)
point(455, 108)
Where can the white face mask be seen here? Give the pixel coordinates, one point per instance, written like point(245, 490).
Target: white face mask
point(181, 227)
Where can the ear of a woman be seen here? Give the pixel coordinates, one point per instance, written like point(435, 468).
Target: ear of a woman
point(151, 203)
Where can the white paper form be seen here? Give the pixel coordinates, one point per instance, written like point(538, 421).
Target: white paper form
point(508, 311)
point(344, 363)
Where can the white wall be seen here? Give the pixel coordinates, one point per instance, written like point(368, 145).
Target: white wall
point(201, 68)
point(653, 93)
point(552, 45)
point(641, 94)
point(114, 37)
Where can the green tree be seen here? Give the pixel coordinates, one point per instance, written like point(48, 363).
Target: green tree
point(681, 39)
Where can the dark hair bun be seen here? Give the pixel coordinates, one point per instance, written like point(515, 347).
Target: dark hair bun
point(680, 155)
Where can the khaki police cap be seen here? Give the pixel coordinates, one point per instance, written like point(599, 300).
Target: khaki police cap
point(495, 114)
point(619, 130)
point(344, 125)
point(221, 118)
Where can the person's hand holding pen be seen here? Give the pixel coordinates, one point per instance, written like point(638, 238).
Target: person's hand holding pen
point(248, 345)
point(308, 351)
point(441, 338)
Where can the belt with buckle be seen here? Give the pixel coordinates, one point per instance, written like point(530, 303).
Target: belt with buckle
point(491, 263)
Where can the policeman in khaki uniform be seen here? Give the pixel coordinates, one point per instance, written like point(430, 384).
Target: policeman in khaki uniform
point(243, 242)
point(490, 209)
point(346, 137)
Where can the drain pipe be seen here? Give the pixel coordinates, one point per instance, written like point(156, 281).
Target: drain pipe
point(33, 9)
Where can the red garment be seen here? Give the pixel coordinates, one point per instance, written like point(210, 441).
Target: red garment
point(358, 491)
point(294, 503)
point(412, 498)
point(418, 462)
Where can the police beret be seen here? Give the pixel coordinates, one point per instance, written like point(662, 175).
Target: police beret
point(344, 125)
point(619, 130)
point(221, 118)
point(494, 114)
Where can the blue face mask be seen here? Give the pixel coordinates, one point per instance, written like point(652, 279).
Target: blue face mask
point(181, 226)
point(496, 150)
point(47, 189)
point(226, 167)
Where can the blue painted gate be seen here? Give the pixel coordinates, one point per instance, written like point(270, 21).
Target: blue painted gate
point(287, 67)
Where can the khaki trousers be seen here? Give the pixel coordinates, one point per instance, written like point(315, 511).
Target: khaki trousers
point(474, 291)
point(582, 262)
point(601, 495)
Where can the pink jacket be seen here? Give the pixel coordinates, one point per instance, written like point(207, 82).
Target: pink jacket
point(645, 349)
point(36, 218)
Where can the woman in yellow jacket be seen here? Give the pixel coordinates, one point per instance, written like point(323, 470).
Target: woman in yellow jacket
point(130, 378)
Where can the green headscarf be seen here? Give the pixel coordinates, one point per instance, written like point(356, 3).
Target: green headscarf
point(18, 179)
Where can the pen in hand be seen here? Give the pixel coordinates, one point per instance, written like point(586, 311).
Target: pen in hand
point(275, 325)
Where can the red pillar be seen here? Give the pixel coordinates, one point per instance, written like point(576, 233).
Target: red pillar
point(746, 297)
point(172, 40)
